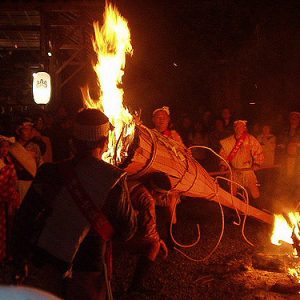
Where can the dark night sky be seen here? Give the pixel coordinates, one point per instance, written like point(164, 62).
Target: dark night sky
point(226, 52)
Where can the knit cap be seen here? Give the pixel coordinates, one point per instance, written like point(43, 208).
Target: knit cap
point(91, 125)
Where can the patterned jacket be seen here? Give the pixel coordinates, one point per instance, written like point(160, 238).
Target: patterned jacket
point(250, 152)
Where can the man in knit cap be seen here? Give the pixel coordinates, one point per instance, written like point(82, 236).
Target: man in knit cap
point(80, 198)
point(244, 154)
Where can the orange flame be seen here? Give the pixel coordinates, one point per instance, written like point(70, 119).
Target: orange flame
point(283, 231)
point(111, 44)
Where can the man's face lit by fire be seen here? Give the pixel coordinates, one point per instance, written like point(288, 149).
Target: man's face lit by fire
point(161, 120)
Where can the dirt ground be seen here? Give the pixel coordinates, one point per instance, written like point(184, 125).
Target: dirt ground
point(231, 271)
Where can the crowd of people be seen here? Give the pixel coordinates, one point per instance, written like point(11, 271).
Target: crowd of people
point(61, 204)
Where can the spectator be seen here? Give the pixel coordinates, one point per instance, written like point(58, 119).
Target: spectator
point(161, 121)
point(256, 129)
point(9, 196)
point(207, 121)
point(27, 155)
point(216, 135)
point(227, 118)
point(42, 140)
point(268, 142)
point(214, 139)
point(48, 124)
point(292, 144)
point(199, 137)
point(185, 129)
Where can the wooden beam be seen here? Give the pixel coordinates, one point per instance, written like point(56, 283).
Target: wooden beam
point(6, 27)
point(77, 70)
point(52, 5)
point(66, 63)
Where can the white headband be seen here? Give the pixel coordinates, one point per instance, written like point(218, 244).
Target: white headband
point(164, 108)
point(240, 121)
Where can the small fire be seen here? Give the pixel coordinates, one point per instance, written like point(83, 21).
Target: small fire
point(282, 231)
point(285, 231)
point(288, 231)
point(111, 43)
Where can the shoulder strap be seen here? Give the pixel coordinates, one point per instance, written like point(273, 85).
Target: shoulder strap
point(236, 148)
point(91, 212)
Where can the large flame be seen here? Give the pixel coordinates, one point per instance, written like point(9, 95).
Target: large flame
point(111, 43)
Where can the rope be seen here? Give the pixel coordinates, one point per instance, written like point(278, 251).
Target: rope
point(171, 231)
point(219, 156)
point(231, 176)
point(195, 178)
point(245, 197)
point(215, 247)
point(220, 236)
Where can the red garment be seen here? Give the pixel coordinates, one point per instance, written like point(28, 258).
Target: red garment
point(9, 201)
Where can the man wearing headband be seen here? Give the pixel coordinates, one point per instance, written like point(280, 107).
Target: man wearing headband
point(84, 198)
point(161, 120)
point(244, 154)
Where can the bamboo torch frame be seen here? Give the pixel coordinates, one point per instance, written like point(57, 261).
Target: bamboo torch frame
point(152, 152)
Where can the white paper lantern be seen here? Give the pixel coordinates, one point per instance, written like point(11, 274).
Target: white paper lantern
point(41, 87)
